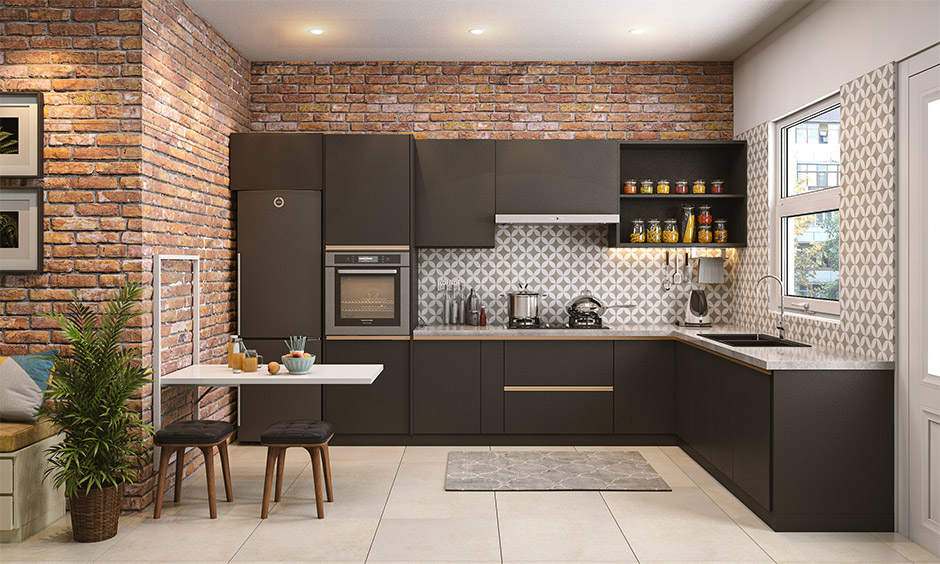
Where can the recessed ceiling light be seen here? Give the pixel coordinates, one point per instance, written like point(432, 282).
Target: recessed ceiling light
point(316, 31)
point(477, 31)
point(637, 31)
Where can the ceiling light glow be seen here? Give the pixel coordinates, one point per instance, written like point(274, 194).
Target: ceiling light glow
point(637, 31)
point(477, 31)
point(316, 31)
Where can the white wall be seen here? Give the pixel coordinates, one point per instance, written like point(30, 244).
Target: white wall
point(824, 46)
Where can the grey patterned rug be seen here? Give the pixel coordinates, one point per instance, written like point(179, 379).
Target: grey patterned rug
point(528, 470)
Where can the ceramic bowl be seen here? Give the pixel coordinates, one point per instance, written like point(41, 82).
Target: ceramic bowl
point(298, 365)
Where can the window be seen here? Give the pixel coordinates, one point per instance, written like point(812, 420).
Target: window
point(805, 209)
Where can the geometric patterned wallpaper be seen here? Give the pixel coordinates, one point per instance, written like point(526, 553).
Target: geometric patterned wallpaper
point(560, 261)
point(866, 227)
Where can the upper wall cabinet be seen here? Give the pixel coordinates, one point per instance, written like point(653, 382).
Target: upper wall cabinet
point(455, 193)
point(276, 161)
point(557, 177)
point(367, 192)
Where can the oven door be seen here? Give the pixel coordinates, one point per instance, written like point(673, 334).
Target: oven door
point(367, 301)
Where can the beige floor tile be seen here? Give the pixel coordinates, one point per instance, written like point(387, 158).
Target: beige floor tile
point(436, 540)
point(822, 547)
point(566, 540)
point(371, 453)
point(419, 494)
point(283, 537)
point(551, 505)
point(907, 548)
point(532, 448)
point(682, 525)
point(356, 495)
point(179, 534)
point(56, 543)
point(434, 453)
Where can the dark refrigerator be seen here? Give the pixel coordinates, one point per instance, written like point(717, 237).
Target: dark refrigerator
point(280, 272)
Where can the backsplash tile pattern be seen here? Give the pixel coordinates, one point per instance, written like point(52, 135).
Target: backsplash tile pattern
point(561, 261)
point(866, 230)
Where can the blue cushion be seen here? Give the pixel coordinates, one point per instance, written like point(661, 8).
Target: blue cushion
point(23, 379)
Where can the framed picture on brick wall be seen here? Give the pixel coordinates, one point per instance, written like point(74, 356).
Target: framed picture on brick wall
point(20, 230)
point(21, 134)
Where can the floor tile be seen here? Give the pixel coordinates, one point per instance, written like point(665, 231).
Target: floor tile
point(436, 540)
point(56, 543)
point(822, 547)
point(283, 537)
point(435, 454)
point(681, 525)
point(907, 548)
point(419, 494)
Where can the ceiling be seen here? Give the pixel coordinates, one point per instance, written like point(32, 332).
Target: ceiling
point(514, 30)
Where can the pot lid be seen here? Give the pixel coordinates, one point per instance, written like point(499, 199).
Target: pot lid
point(523, 291)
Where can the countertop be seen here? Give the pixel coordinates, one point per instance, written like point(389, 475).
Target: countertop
point(222, 375)
point(765, 358)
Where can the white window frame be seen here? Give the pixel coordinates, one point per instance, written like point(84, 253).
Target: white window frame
point(801, 204)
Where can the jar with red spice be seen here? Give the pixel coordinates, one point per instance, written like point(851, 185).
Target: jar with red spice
point(705, 215)
point(718, 186)
point(629, 186)
point(682, 187)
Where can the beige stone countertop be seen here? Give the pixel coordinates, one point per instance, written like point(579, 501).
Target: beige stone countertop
point(765, 358)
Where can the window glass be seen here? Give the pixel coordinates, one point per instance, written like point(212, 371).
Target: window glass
point(811, 255)
point(811, 154)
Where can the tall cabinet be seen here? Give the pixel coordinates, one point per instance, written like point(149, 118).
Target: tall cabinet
point(277, 179)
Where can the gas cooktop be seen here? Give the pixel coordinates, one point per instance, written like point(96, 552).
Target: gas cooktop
point(545, 325)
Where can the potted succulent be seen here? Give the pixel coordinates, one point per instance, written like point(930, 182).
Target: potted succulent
point(105, 439)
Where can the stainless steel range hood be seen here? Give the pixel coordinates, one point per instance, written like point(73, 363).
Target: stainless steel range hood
point(559, 219)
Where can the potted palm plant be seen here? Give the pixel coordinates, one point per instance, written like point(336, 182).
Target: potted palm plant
point(105, 438)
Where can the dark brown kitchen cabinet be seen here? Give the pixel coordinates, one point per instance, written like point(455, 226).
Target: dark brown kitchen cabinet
point(276, 161)
point(644, 387)
point(455, 193)
point(685, 367)
point(367, 190)
point(751, 443)
point(446, 387)
point(555, 176)
point(379, 408)
point(558, 387)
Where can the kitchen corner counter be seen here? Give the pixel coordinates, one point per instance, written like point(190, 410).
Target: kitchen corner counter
point(766, 358)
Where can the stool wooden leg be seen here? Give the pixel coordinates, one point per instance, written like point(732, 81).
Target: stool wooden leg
point(268, 476)
point(281, 455)
point(210, 479)
point(161, 481)
point(317, 479)
point(178, 488)
point(325, 454)
point(226, 472)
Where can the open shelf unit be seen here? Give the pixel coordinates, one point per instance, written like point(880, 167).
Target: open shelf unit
point(683, 160)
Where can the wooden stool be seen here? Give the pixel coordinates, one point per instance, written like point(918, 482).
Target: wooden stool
point(204, 435)
point(310, 435)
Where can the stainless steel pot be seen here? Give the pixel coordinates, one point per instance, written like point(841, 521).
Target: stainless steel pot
point(587, 304)
point(524, 303)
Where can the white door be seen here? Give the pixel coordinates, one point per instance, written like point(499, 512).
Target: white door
point(919, 298)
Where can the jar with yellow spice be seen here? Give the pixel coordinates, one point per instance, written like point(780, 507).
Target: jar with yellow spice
point(662, 187)
point(687, 223)
point(646, 187)
point(705, 233)
point(698, 186)
point(654, 231)
point(638, 234)
point(670, 231)
point(721, 230)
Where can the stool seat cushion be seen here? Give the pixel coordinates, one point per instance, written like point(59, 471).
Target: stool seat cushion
point(200, 432)
point(297, 433)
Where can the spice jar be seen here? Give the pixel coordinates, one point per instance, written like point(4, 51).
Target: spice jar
point(654, 231)
point(638, 234)
point(718, 186)
point(682, 187)
point(629, 186)
point(721, 230)
point(698, 186)
point(662, 187)
point(705, 234)
point(705, 215)
point(688, 223)
point(670, 231)
point(646, 187)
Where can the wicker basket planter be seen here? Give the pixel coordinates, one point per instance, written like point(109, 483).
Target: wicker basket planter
point(95, 514)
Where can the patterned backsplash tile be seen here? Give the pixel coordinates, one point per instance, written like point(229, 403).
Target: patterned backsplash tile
point(561, 261)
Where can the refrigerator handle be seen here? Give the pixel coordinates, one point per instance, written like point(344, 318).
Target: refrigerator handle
point(238, 293)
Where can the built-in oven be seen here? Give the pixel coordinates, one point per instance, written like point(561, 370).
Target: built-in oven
point(367, 293)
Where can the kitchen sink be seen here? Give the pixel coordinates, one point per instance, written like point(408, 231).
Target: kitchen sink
point(751, 340)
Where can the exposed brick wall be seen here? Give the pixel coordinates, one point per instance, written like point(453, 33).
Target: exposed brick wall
point(195, 93)
point(85, 56)
point(500, 100)
point(140, 100)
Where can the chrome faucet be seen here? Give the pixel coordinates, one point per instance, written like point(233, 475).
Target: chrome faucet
point(781, 326)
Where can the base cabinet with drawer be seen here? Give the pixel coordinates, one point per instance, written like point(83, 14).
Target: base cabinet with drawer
point(28, 504)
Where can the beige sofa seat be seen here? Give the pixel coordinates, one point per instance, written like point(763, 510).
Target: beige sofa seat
point(28, 504)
